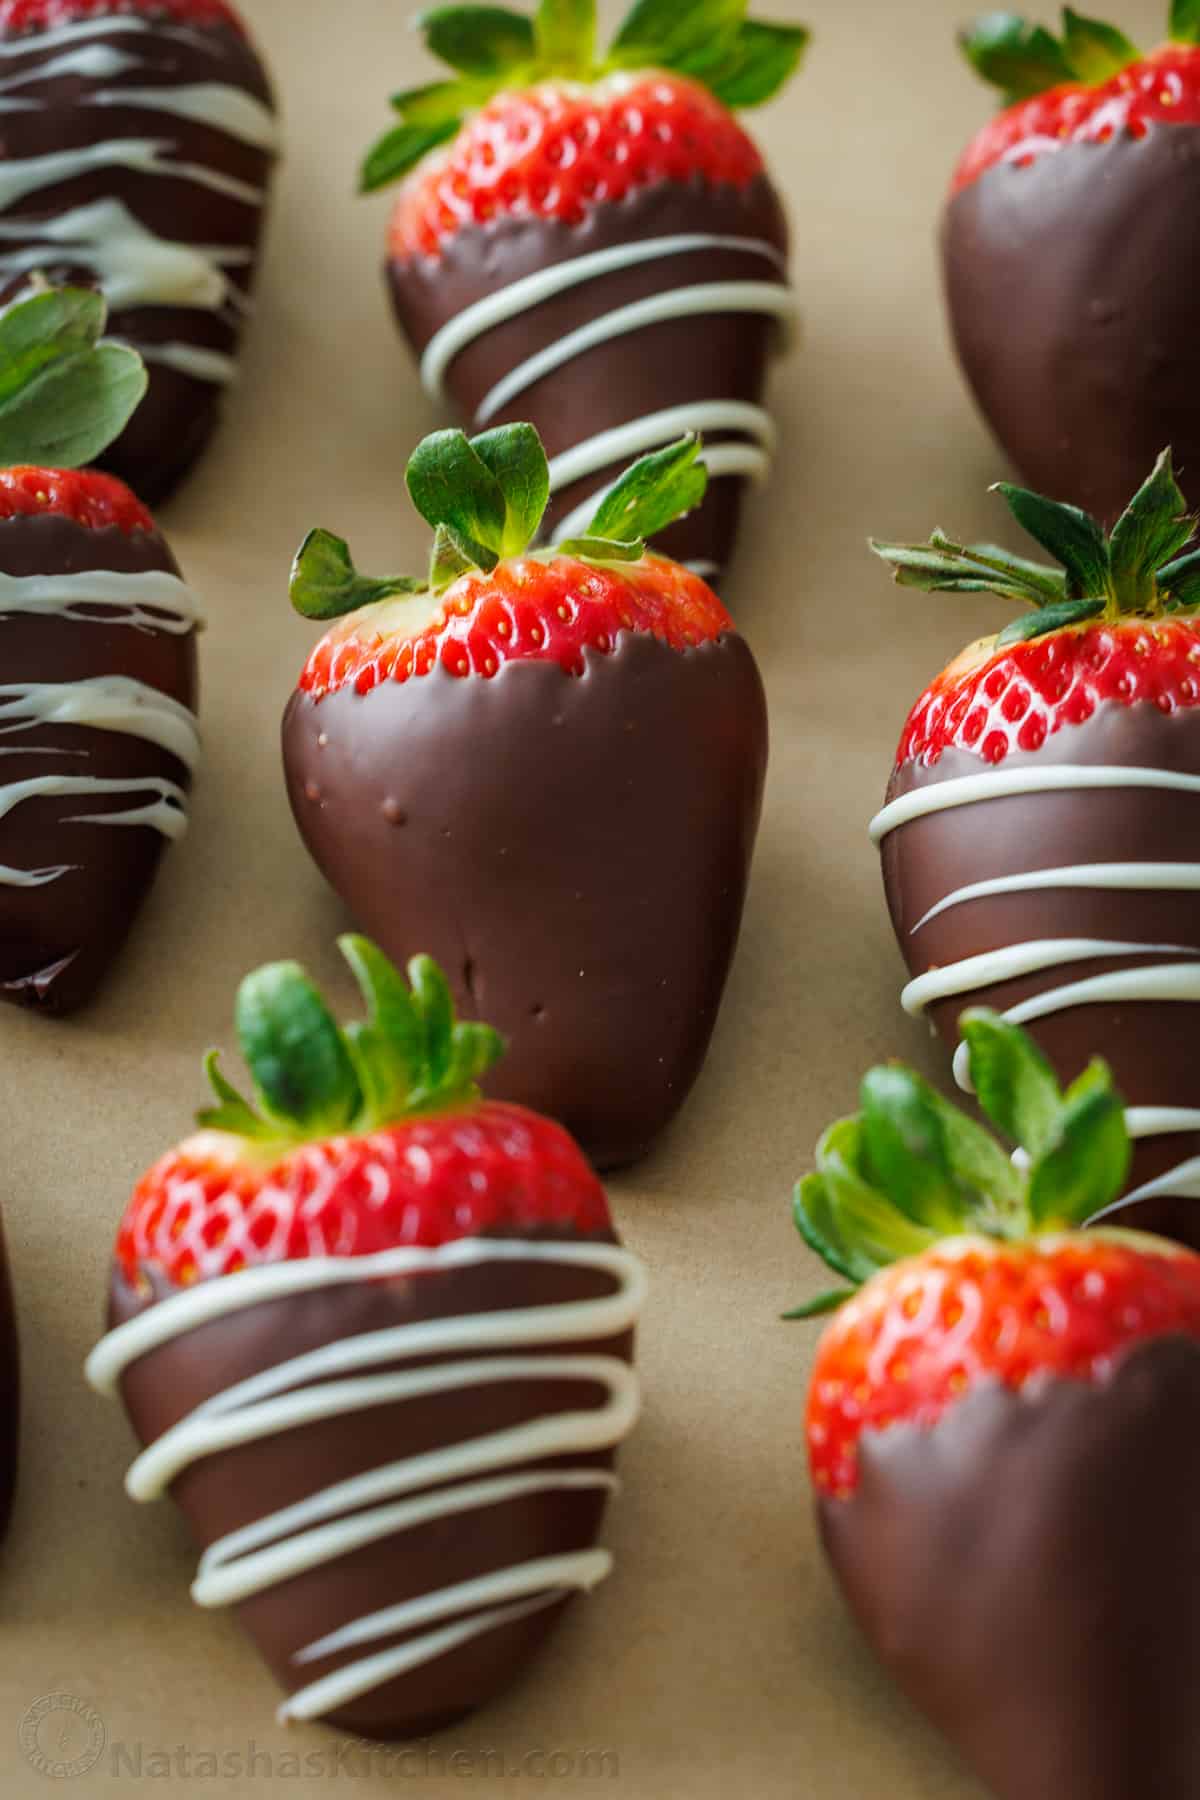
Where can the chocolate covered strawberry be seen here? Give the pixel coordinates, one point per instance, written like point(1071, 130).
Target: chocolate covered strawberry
point(375, 1338)
point(98, 735)
point(546, 766)
point(1041, 841)
point(589, 239)
point(139, 139)
point(1070, 243)
point(1002, 1427)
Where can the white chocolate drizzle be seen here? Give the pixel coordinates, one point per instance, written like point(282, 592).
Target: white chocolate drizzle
point(1174, 981)
point(103, 703)
point(132, 265)
point(151, 601)
point(751, 457)
point(491, 1347)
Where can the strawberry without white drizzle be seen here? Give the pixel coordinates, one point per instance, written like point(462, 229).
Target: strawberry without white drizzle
point(1041, 841)
point(375, 1336)
point(1002, 1426)
point(139, 140)
point(1069, 245)
point(547, 767)
point(588, 239)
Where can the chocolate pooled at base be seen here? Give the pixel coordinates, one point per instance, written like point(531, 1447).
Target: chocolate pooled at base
point(579, 867)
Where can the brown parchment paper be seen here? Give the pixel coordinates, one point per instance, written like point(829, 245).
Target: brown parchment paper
point(717, 1661)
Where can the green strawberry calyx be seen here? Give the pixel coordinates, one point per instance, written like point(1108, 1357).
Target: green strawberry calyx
point(1024, 59)
point(911, 1169)
point(485, 498)
point(492, 49)
point(1147, 567)
point(314, 1079)
point(66, 393)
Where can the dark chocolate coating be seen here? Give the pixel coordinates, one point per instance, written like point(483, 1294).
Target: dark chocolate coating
point(1029, 1572)
point(180, 412)
point(1151, 1045)
point(57, 941)
point(235, 1488)
point(715, 357)
point(574, 851)
point(1073, 302)
point(10, 1392)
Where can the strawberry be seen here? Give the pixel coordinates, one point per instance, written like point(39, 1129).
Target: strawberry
point(139, 140)
point(579, 233)
point(1001, 1407)
point(372, 1212)
point(535, 761)
point(98, 738)
point(1068, 249)
point(21, 18)
point(1041, 844)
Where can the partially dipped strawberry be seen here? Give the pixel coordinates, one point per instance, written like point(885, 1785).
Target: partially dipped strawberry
point(1002, 1427)
point(98, 734)
point(589, 239)
point(1069, 244)
point(1041, 841)
point(139, 141)
point(547, 767)
point(375, 1336)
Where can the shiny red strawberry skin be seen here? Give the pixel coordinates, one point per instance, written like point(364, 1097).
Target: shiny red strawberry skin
point(1164, 89)
point(559, 150)
point(20, 17)
point(90, 499)
point(209, 1209)
point(991, 704)
point(524, 611)
point(925, 1333)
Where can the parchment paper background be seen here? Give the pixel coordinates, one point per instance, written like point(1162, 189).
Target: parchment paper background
point(717, 1661)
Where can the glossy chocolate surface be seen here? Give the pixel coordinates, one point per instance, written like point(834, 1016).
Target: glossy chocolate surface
point(1029, 1572)
point(180, 412)
point(57, 940)
point(1074, 306)
point(573, 851)
point(224, 1492)
point(1151, 1045)
point(676, 363)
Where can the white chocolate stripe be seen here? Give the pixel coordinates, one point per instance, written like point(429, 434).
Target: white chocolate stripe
point(192, 359)
point(333, 1522)
point(627, 442)
point(37, 43)
point(1014, 960)
point(100, 62)
point(148, 156)
point(720, 460)
point(151, 601)
point(1161, 1121)
point(966, 790)
point(704, 568)
point(1108, 877)
point(104, 703)
point(223, 108)
point(133, 266)
point(533, 290)
point(166, 814)
point(707, 299)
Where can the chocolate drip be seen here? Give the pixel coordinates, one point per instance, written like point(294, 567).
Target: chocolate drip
point(676, 363)
point(1029, 1572)
point(57, 940)
point(236, 1488)
point(573, 851)
point(177, 418)
point(1149, 1044)
point(1072, 295)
